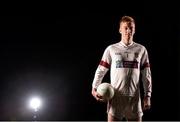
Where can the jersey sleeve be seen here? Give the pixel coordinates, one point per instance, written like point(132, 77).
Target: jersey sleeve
point(102, 68)
point(146, 74)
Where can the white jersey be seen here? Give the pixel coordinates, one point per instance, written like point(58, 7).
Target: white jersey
point(126, 63)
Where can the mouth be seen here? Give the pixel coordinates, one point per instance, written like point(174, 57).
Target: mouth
point(128, 34)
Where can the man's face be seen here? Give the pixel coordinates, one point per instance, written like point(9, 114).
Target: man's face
point(127, 29)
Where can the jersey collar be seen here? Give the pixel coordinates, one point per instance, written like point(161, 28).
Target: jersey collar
point(121, 42)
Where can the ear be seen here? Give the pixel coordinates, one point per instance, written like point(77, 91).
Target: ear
point(134, 32)
point(119, 30)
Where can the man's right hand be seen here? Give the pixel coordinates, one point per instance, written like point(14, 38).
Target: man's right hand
point(97, 96)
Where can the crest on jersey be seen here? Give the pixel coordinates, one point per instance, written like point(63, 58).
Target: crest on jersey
point(136, 55)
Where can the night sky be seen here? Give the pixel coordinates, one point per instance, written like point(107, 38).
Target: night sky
point(54, 53)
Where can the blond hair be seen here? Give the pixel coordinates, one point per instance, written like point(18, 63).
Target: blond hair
point(127, 19)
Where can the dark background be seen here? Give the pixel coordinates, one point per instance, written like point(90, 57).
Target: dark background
point(54, 52)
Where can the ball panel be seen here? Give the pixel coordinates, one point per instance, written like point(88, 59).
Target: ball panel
point(106, 91)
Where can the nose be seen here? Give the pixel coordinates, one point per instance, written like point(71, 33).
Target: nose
point(128, 30)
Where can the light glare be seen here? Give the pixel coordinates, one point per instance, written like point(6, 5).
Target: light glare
point(35, 103)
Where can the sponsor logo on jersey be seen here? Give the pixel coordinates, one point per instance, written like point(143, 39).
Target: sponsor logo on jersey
point(117, 53)
point(130, 64)
point(126, 64)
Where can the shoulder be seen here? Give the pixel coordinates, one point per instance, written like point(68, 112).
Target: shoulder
point(139, 46)
point(112, 46)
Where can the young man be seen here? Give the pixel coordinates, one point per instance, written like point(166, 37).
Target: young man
point(126, 60)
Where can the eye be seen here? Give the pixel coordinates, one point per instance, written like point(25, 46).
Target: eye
point(126, 28)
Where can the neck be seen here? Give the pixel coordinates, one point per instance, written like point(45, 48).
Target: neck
point(127, 41)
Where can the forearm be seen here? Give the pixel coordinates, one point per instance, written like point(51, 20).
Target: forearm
point(147, 82)
point(99, 75)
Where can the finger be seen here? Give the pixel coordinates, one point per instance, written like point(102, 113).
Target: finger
point(101, 100)
point(149, 106)
point(146, 107)
point(99, 96)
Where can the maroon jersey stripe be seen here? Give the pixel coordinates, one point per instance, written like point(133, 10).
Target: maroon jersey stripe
point(105, 64)
point(145, 65)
